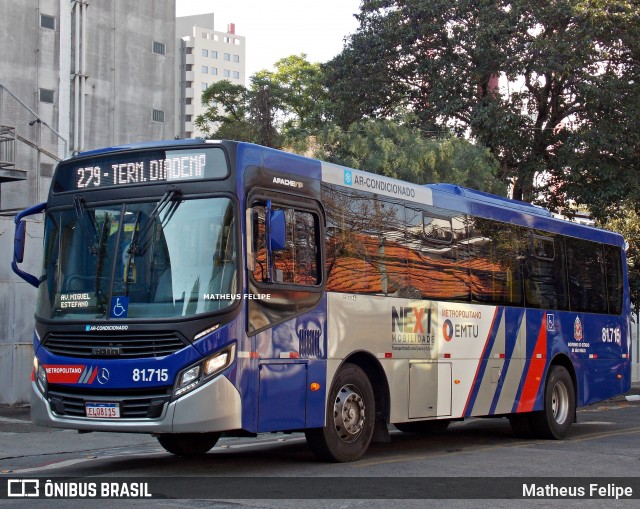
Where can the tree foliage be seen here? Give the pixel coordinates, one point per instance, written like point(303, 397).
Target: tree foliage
point(398, 150)
point(277, 105)
point(289, 108)
point(568, 111)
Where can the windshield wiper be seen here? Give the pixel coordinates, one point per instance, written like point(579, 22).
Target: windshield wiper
point(138, 239)
point(78, 203)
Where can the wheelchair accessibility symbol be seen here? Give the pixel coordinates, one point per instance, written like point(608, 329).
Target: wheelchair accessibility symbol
point(119, 307)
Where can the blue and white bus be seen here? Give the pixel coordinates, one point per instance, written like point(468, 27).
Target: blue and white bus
point(194, 288)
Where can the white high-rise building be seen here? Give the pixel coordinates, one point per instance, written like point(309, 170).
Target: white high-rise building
point(206, 56)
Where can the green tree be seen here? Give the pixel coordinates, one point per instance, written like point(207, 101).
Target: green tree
point(627, 223)
point(568, 112)
point(285, 104)
point(301, 91)
point(398, 150)
point(227, 111)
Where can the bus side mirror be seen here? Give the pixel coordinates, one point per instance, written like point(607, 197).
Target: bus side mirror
point(277, 235)
point(19, 242)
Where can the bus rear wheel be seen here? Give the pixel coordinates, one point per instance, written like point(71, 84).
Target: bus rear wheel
point(559, 406)
point(350, 418)
point(188, 444)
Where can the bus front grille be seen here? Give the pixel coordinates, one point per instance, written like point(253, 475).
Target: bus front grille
point(131, 346)
point(141, 404)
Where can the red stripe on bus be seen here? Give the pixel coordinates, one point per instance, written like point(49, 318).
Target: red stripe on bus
point(536, 371)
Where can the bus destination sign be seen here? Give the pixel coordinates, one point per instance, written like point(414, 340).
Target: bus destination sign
point(140, 168)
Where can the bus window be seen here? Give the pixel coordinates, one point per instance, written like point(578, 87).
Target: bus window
point(587, 289)
point(297, 263)
point(496, 250)
point(613, 263)
point(545, 274)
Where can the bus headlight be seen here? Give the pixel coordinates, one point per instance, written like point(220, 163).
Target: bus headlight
point(40, 376)
point(194, 376)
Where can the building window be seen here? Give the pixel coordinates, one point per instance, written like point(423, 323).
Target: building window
point(227, 40)
point(46, 95)
point(46, 169)
point(227, 57)
point(158, 116)
point(205, 35)
point(159, 48)
point(214, 71)
point(203, 86)
point(214, 54)
point(236, 75)
point(236, 59)
point(205, 69)
point(47, 22)
point(205, 53)
point(188, 100)
point(227, 73)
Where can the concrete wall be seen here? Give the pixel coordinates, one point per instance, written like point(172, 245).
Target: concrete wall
point(17, 307)
point(126, 79)
point(125, 82)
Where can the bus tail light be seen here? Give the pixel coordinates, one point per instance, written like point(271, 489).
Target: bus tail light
point(197, 374)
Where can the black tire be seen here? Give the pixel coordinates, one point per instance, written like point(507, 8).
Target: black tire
point(350, 418)
point(521, 425)
point(559, 406)
point(188, 444)
point(439, 426)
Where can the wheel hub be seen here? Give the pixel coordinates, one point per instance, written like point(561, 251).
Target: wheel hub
point(348, 413)
point(560, 403)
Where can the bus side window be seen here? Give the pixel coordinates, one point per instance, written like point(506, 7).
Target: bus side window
point(613, 263)
point(587, 289)
point(545, 274)
point(298, 262)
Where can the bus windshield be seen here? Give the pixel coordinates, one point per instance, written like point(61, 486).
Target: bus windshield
point(157, 259)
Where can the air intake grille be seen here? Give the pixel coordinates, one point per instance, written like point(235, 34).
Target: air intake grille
point(131, 346)
point(139, 404)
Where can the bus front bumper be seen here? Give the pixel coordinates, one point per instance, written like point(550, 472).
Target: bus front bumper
point(216, 406)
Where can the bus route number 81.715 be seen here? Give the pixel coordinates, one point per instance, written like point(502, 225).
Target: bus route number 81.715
point(150, 375)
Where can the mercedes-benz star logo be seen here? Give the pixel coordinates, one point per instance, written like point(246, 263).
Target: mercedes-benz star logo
point(103, 376)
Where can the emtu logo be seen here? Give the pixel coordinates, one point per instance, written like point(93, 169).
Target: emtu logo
point(447, 330)
point(459, 330)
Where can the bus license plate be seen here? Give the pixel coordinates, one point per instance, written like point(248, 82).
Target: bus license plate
point(103, 410)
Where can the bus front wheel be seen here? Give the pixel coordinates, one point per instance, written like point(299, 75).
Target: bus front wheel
point(350, 418)
point(188, 444)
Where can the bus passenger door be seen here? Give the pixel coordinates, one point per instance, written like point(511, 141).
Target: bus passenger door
point(286, 310)
point(429, 389)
